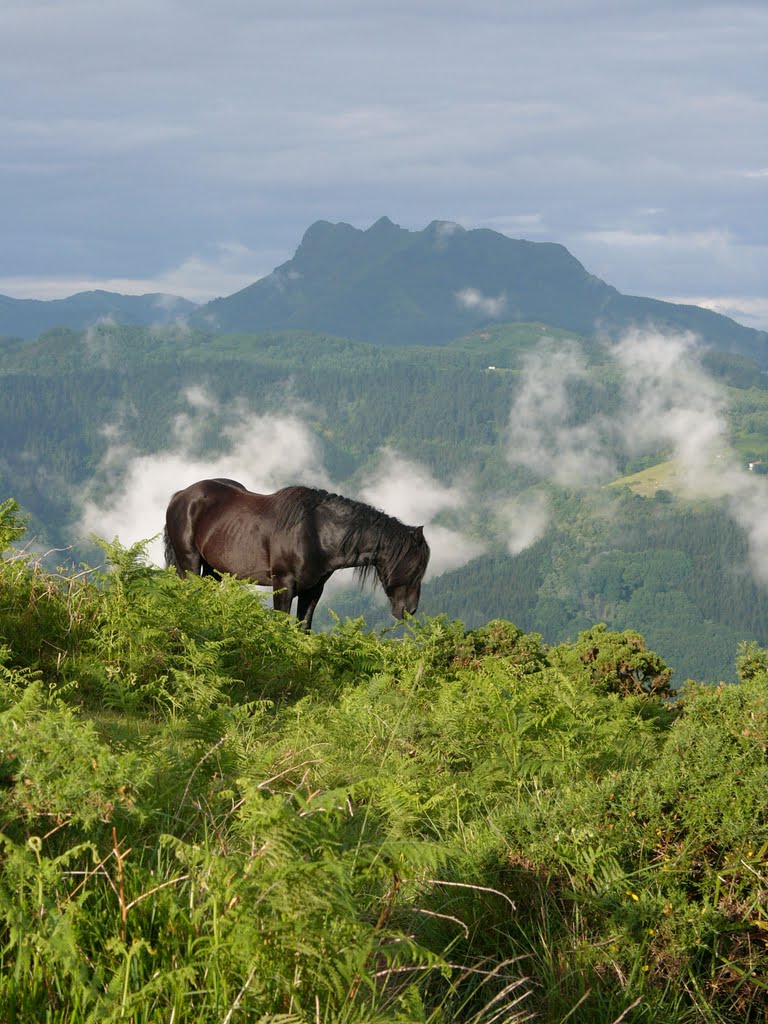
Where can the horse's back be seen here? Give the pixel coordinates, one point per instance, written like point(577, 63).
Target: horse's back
point(228, 526)
point(207, 490)
point(196, 502)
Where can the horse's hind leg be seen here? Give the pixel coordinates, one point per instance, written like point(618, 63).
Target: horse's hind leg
point(184, 557)
point(207, 570)
point(180, 550)
point(189, 561)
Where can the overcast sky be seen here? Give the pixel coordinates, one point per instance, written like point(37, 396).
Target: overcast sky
point(153, 145)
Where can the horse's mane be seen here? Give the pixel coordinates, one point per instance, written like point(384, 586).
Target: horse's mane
point(293, 504)
point(401, 552)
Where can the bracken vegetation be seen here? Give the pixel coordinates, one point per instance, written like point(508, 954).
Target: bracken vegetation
point(208, 815)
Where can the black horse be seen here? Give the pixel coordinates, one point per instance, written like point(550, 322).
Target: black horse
point(293, 540)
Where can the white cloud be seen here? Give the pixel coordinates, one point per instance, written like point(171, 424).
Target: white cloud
point(542, 434)
point(408, 490)
point(229, 267)
point(264, 452)
point(680, 405)
point(523, 520)
point(405, 489)
point(751, 310)
point(668, 402)
point(620, 238)
point(447, 228)
point(487, 305)
point(98, 344)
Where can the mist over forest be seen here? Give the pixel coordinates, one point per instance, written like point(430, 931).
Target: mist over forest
point(534, 480)
point(563, 476)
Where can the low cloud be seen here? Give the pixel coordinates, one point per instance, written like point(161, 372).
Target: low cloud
point(487, 305)
point(680, 405)
point(668, 401)
point(264, 452)
point(543, 434)
point(523, 520)
point(671, 402)
point(444, 232)
point(99, 344)
point(408, 490)
point(751, 310)
point(222, 269)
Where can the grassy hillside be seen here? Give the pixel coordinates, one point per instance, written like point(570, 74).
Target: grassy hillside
point(209, 815)
point(663, 476)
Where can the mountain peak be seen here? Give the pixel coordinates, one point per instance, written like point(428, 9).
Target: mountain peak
point(393, 286)
point(383, 224)
point(322, 230)
point(444, 228)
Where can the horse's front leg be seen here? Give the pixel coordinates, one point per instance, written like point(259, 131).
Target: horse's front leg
point(308, 601)
point(283, 592)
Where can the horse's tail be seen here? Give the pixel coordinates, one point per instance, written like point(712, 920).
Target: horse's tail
point(170, 554)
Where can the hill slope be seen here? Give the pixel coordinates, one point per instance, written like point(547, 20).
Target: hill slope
point(194, 790)
point(392, 286)
point(28, 318)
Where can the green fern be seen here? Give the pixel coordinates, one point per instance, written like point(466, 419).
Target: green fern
point(209, 815)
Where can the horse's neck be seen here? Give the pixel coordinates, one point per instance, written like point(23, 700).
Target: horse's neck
point(364, 555)
point(360, 550)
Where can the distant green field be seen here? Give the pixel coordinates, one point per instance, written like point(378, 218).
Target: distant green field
point(665, 476)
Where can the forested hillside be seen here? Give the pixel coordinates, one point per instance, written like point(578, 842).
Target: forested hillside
point(210, 815)
point(76, 407)
point(28, 318)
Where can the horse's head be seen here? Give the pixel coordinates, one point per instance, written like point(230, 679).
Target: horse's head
point(403, 584)
point(404, 599)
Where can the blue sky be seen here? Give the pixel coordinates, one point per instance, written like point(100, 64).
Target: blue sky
point(185, 146)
